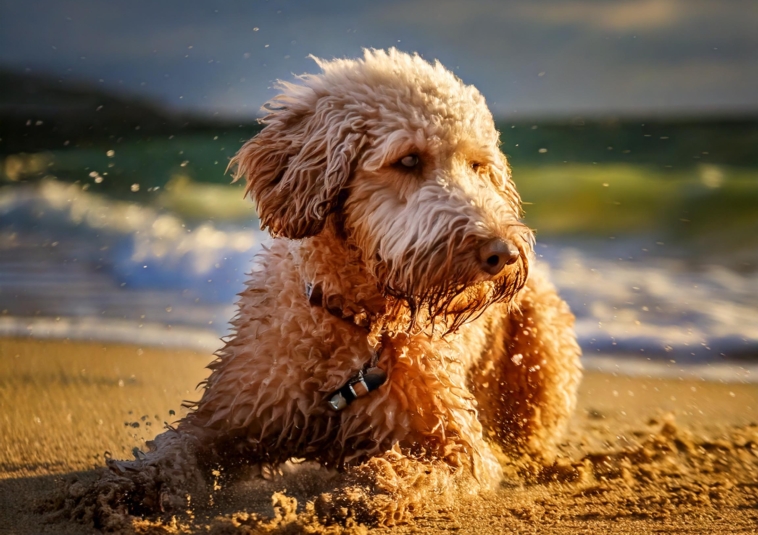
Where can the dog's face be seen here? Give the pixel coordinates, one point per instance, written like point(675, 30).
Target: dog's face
point(405, 159)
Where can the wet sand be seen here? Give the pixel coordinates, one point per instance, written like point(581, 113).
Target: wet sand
point(642, 454)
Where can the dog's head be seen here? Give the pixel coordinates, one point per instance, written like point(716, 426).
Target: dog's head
point(404, 158)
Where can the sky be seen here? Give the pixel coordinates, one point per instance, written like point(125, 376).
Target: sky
point(538, 58)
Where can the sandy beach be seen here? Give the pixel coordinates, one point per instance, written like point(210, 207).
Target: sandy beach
point(642, 455)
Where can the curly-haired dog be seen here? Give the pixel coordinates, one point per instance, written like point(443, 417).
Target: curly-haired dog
point(398, 254)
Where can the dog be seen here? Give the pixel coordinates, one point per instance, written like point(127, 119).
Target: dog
point(397, 327)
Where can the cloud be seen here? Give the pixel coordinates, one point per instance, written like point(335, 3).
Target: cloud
point(610, 56)
point(624, 16)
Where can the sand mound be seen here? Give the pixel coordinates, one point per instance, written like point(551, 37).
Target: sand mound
point(642, 455)
point(670, 476)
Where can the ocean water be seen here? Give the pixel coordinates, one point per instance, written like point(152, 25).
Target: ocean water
point(76, 264)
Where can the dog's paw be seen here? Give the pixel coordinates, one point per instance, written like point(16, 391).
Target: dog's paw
point(102, 502)
point(116, 496)
point(360, 495)
point(151, 488)
point(348, 504)
point(153, 484)
point(386, 491)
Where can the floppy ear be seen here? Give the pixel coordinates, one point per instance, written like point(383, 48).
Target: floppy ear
point(298, 164)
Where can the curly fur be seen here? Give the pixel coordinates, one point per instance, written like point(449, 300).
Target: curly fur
point(473, 360)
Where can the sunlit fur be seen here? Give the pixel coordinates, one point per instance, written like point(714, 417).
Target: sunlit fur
point(473, 360)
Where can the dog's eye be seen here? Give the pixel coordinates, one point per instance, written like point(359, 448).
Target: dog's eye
point(476, 166)
point(409, 161)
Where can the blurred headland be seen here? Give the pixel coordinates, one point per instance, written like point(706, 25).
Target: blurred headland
point(40, 112)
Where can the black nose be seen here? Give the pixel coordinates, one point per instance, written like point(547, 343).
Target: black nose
point(495, 254)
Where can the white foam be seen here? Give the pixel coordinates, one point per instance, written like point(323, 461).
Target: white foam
point(206, 341)
point(631, 366)
point(111, 331)
point(658, 305)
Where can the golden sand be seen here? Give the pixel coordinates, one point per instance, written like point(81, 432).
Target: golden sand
point(641, 456)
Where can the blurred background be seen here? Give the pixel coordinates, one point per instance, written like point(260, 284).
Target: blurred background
point(631, 127)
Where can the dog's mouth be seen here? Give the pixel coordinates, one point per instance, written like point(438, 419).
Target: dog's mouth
point(442, 284)
point(450, 303)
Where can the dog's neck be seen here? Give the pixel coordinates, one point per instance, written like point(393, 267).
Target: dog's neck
point(336, 278)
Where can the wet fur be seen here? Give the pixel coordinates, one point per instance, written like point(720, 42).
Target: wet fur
point(472, 361)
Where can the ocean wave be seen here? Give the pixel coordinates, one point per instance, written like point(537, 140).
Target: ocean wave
point(141, 246)
point(657, 306)
point(68, 253)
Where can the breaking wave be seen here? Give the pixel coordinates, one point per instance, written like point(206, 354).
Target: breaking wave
point(88, 260)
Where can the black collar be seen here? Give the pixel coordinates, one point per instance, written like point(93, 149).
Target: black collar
point(370, 376)
point(336, 306)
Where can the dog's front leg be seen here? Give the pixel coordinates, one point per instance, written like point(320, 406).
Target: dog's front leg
point(526, 382)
